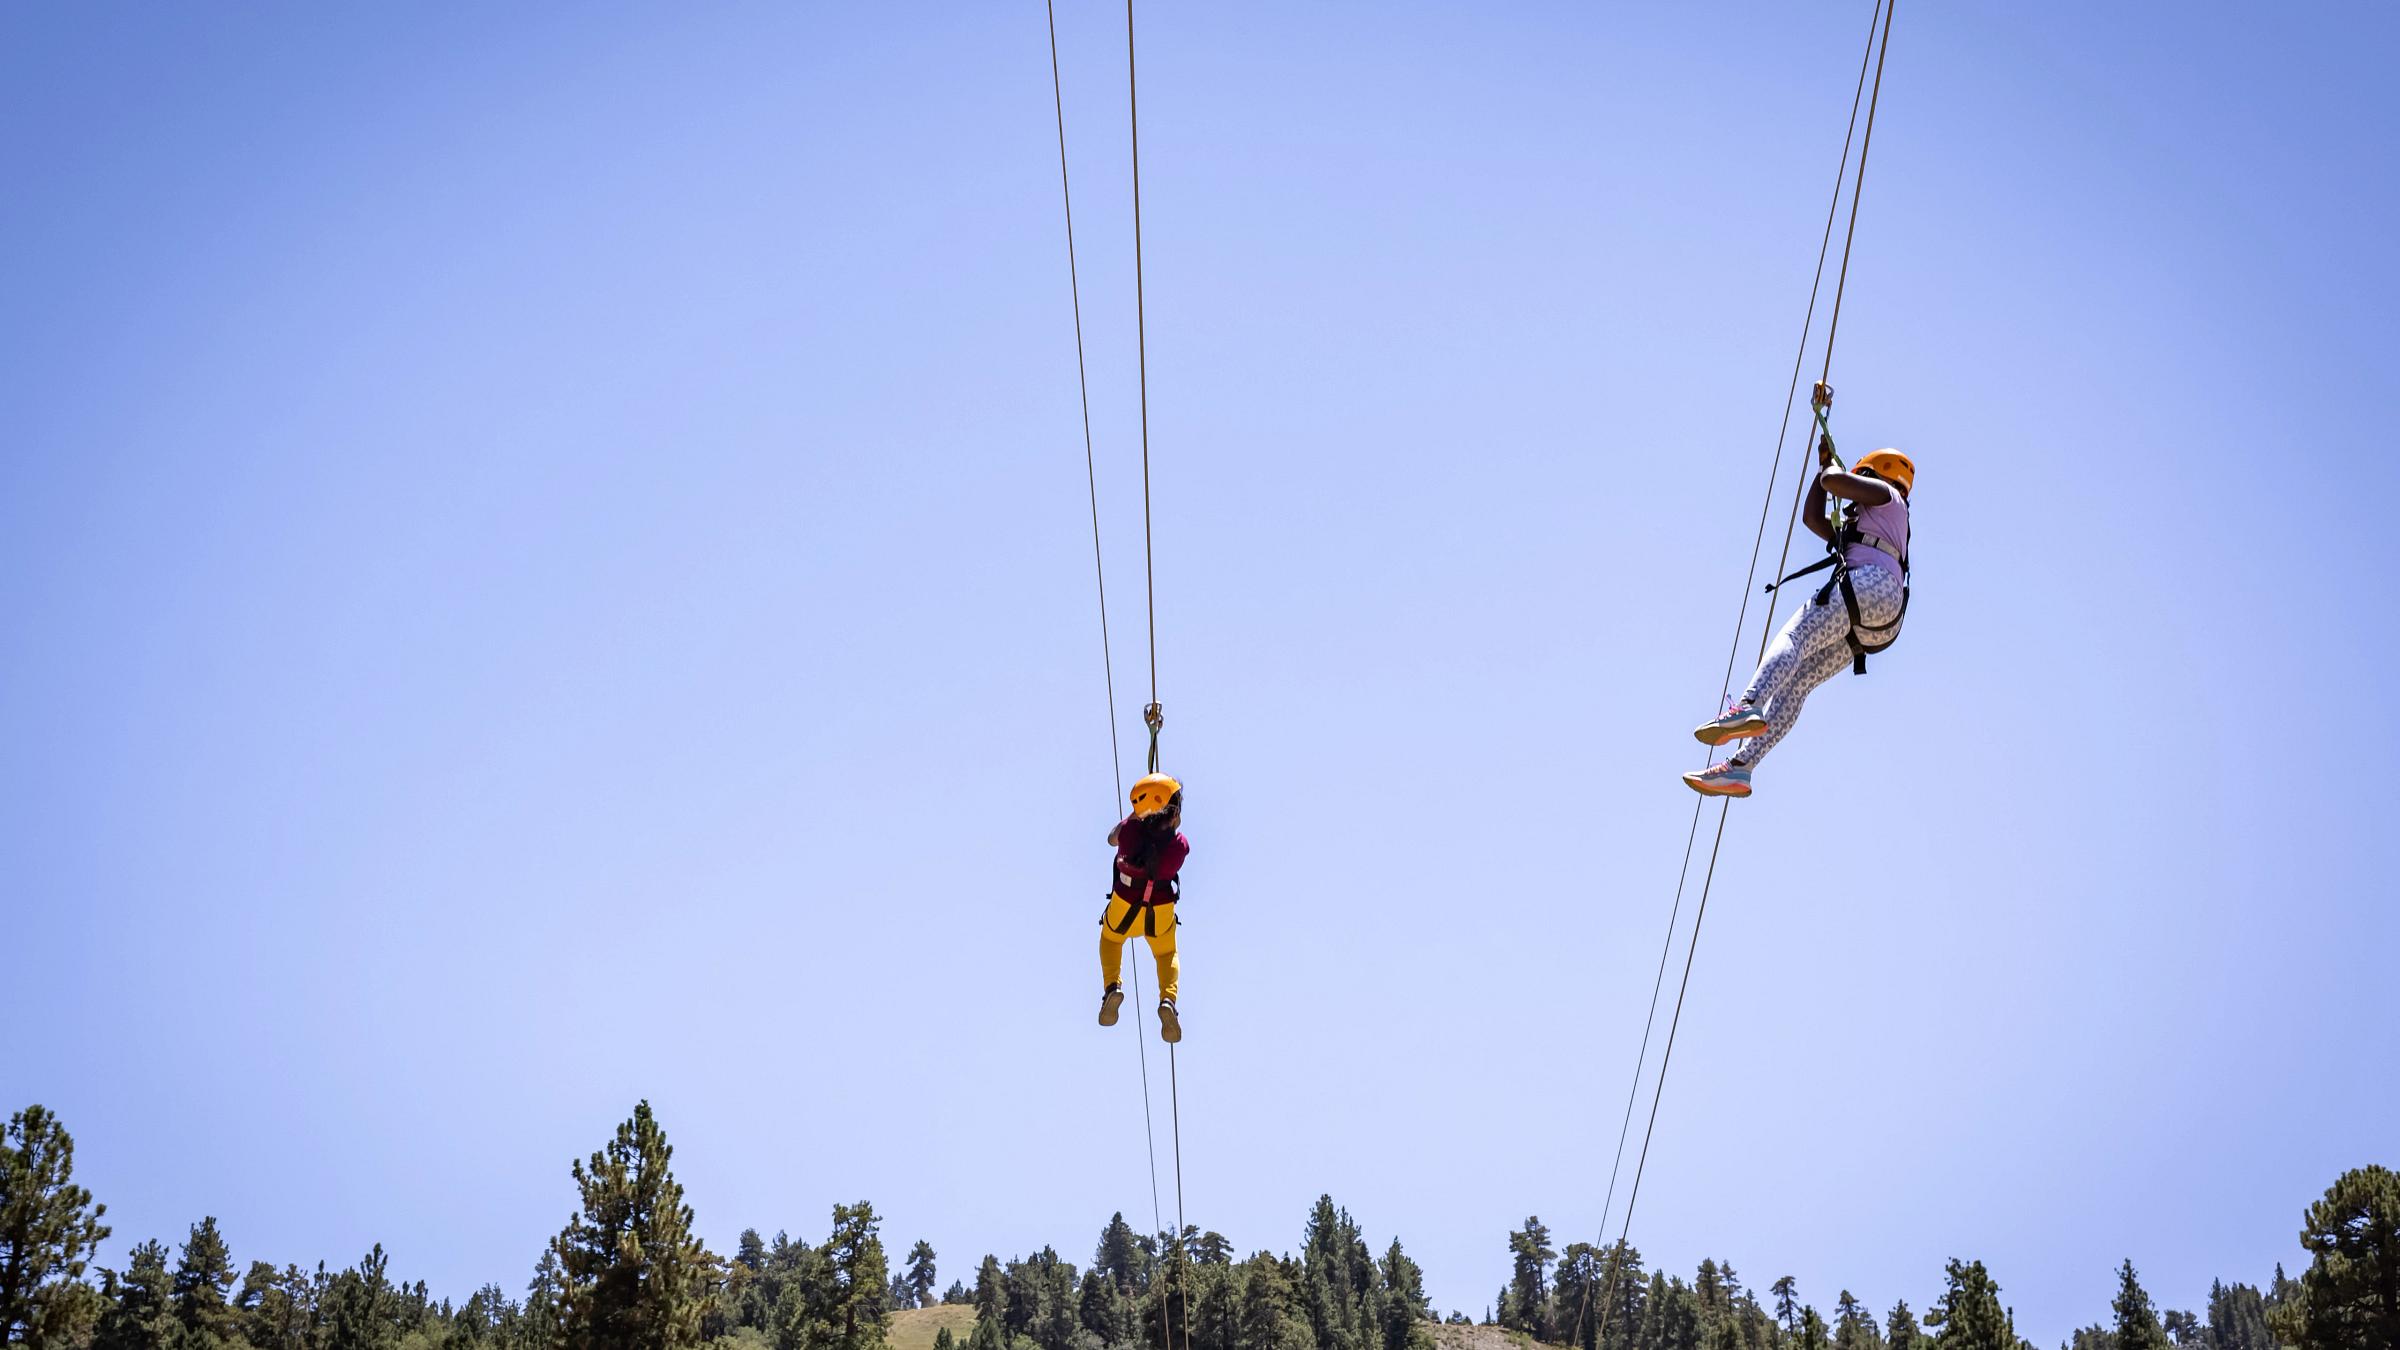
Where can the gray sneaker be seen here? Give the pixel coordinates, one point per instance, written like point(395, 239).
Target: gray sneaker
point(1170, 1026)
point(1739, 722)
point(1109, 1002)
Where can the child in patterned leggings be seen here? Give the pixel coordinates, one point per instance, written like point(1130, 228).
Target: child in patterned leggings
point(1815, 645)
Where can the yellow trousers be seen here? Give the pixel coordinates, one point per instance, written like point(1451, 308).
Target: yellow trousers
point(1154, 923)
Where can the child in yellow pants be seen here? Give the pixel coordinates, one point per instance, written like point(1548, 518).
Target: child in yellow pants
point(1150, 854)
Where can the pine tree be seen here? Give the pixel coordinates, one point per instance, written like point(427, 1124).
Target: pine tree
point(1165, 1312)
point(542, 1318)
point(1576, 1293)
point(2349, 1297)
point(140, 1310)
point(1528, 1299)
point(943, 1340)
point(987, 1334)
point(275, 1308)
point(1120, 1256)
point(1269, 1316)
point(1854, 1326)
point(1216, 1305)
point(358, 1306)
point(920, 1276)
point(635, 1277)
point(1969, 1313)
point(1671, 1316)
point(1101, 1310)
point(854, 1282)
point(2237, 1318)
point(48, 1230)
point(1787, 1303)
point(1335, 1275)
point(2137, 1323)
point(1900, 1329)
point(1404, 1308)
point(991, 1290)
point(1812, 1335)
point(203, 1279)
point(1623, 1296)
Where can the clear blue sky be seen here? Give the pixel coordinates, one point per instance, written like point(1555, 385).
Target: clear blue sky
point(543, 561)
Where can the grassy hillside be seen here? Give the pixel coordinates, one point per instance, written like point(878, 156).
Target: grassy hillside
point(1448, 1337)
point(914, 1328)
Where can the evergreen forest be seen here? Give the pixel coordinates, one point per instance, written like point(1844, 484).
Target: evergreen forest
point(628, 1272)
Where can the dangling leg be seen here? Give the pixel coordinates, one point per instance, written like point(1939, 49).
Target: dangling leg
point(1170, 972)
point(1809, 650)
point(1112, 964)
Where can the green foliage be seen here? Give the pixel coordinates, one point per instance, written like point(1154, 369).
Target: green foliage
point(1787, 1303)
point(1575, 1295)
point(204, 1316)
point(1404, 1307)
point(359, 1309)
point(919, 1276)
point(1042, 1303)
point(2137, 1323)
point(1853, 1326)
point(1122, 1257)
point(277, 1308)
point(1102, 1310)
point(2237, 1318)
point(634, 1276)
point(1525, 1304)
point(1671, 1316)
point(1901, 1330)
point(140, 1312)
point(1969, 1314)
point(987, 1334)
point(628, 1274)
point(48, 1229)
point(2349, 1297)
point(1268, 1315)
point(848, 1312)
point(1338, 1281)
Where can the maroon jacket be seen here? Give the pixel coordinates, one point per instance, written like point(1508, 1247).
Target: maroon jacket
point(1154, 884)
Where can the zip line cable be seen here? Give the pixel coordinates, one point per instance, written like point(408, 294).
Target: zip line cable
point(1083, 386)
point(1153, 716)
point(1882, 12)
point(1141, 340)
point(1858, 185)
point(1091, 477)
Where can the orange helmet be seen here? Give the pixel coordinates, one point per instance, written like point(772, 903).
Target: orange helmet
point(1155, 793)
point(1892, 467)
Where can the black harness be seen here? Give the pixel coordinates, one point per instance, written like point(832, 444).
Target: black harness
point(1865, 639)
point(1143, 905)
